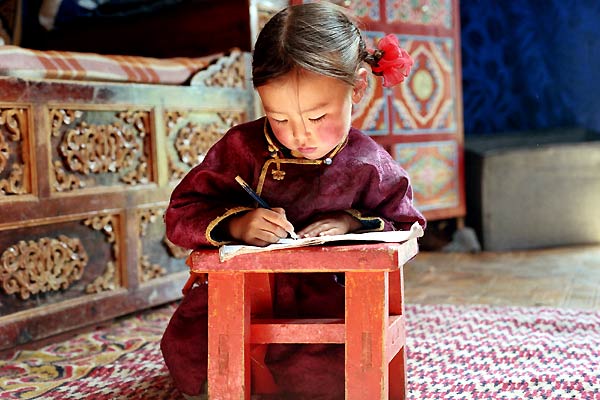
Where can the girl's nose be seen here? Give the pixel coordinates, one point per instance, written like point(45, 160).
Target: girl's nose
point(300, 131)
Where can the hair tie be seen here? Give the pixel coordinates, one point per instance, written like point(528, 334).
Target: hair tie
point(392, 61)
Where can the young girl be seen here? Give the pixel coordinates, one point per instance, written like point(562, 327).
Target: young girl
point(321, 177)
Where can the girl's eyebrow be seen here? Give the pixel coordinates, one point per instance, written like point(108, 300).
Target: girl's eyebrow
point(269, 110)
point(316, 107)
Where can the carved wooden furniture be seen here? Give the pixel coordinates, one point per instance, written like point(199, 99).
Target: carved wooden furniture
point(373, 330)
point(86, 171)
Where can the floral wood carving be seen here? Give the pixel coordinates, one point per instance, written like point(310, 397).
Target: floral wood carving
point(87, 149)
point(59, 118)
point(13, 125)
point(191, 140)
point(108, 280)
point(14, 183)
point(64, 181)
point(227, 71)
point(266, 10)
point(104, 282)
point(96, 149)
point(13, 120)
point(172, 119)
point(4, 150)
point(146, 270)
point(50, 264)
point(176, 171)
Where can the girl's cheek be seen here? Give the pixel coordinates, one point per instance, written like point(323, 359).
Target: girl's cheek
point(331, 133)
point(283, 136)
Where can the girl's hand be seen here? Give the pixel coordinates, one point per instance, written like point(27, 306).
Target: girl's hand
point(337, 223)
point(260, 226)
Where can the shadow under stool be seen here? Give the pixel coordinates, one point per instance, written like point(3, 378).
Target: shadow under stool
point(373, 330)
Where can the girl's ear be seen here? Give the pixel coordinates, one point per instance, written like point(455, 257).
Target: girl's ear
point(360, 85)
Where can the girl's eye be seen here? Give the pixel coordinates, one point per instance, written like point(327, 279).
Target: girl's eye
point(280, 121)
point(318, 119)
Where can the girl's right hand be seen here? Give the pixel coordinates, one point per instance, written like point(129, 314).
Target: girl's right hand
point(259, 227)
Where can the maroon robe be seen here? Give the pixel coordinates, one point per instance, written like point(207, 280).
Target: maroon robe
point(358, 177)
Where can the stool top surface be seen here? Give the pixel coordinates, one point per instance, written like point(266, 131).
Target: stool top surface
point(320, 258)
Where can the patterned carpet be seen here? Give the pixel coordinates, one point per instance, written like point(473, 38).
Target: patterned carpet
point(122, 361)
point(455, 352)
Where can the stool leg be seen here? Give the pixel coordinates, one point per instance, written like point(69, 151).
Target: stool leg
point(367, 309)
point(397, 375)
point(397, 368)
point(262, 287)
point(396, 289)
point(228, 337)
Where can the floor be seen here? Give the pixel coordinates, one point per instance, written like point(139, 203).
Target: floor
point(559, 277)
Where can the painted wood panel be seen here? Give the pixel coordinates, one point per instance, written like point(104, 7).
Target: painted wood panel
point(424, 114)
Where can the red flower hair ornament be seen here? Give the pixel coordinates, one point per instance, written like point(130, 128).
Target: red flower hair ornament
point(394, 63)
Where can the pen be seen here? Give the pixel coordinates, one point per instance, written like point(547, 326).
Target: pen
point(252, 193)
point(258, 199)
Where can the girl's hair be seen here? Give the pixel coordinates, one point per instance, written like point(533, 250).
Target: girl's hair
point(318, 37)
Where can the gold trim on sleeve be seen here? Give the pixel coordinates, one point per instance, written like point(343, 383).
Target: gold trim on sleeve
point(216, 221)
point(357, 214)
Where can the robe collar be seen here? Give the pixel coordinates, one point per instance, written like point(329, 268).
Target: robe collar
point(279, 155)
point(276, 150)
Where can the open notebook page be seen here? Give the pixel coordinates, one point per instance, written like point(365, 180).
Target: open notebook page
point(229, 251)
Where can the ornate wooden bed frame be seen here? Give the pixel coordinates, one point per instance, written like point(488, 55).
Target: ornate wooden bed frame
point(86, 170)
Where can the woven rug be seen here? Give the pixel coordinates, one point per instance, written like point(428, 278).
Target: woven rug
point(455, 352)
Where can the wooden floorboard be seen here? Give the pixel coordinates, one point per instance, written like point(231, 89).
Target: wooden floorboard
point(559, 277)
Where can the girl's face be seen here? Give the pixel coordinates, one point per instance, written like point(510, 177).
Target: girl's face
point(310, 113)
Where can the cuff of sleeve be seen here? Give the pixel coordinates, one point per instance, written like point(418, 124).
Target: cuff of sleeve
point(212, 229)
point(369, 224)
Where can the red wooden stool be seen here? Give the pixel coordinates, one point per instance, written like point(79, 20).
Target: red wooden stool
point(373, 330)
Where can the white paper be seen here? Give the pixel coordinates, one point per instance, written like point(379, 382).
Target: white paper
point(229, 251)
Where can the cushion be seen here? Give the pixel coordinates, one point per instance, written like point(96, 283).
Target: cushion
point(35, 64)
